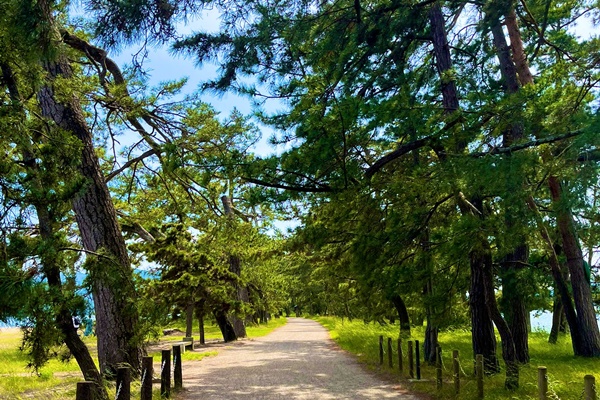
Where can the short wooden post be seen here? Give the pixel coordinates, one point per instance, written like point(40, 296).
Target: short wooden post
point(165, 374)
point(411, 365)
point(390, 353)
point(177, 373)
point(418, 359)
point(123, 384)
point(85, 390)
point(589, 383)
point(438, 367)
point(543, 383)
point(147, 373)
point(400, 355)
point(479, 374)
point(456, 371)
point(380, 350)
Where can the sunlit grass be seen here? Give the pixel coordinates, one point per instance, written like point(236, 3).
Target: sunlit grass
point(565, 371)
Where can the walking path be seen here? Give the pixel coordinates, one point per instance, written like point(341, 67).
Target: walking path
point(296, 361)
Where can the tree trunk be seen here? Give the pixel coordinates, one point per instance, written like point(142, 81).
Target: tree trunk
point(189, 319)
point(582, 293)
point(235, 266)
point(559, 281)
point(225, 326)
point(508, 345)
point(110, 272)
point(402, 316)
point(49, 261)
point(431, 332)
point(483, 337)
point(484, 340)
point(200, 316)
point(514, 307)
point(558, 317)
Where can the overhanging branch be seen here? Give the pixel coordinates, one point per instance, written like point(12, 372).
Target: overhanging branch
point(526, 145)
point(324, 189)
point(130, 163)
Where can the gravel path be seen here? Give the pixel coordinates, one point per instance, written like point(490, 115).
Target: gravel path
point(296, 361)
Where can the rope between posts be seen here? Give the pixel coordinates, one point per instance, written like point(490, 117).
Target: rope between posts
point(119, 391)
point(461, 368)
point(144, 375)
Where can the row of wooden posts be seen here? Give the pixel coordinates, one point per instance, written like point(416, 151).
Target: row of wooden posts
point(414, 365)
point(85, 390)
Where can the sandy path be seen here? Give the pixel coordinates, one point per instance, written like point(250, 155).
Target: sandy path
point(296, 361)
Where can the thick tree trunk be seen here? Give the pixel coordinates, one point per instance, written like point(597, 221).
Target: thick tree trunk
point(225, 326)
point(483, 337)
point(49, 262)
point(484, 340)
point(402, 315)
point(514, 307)
point(110, 273)
point(582, 293)
point(508, 345)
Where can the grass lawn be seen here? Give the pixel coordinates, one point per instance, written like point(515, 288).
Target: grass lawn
point(565, 371)
point(57, 380)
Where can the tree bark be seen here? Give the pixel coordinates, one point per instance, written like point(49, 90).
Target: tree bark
point(200, 316)
point(508, 345)
point(515, 309)
point(582, 293)
point(111, 275)
point(225, 326)
point(402, 315)
point(235, 266)
point(49, 261)
point(189, 319)
point(483, 338)
point(482, 333)
point(558, 317)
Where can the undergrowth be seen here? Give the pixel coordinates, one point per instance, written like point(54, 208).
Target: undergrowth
point(565, 371)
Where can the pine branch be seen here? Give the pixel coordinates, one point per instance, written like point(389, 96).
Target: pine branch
point(305, 189)
point(130, 163)
point(526, 145)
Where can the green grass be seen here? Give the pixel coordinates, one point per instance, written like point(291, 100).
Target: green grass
point(57, 380)
point(565, 371)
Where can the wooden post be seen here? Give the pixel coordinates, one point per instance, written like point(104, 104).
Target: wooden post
point(177, 373)
point(418, 359)
point(411, 365)
point(147, 373)
point(390, 354)
point(456, 369)
point(479, 374)
point(123, 384)
point(543, 383)
point(438, 367)
point(85, 390)
point(380, 350)
point(165, 374)
point(400, 355)
point(589, 383)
